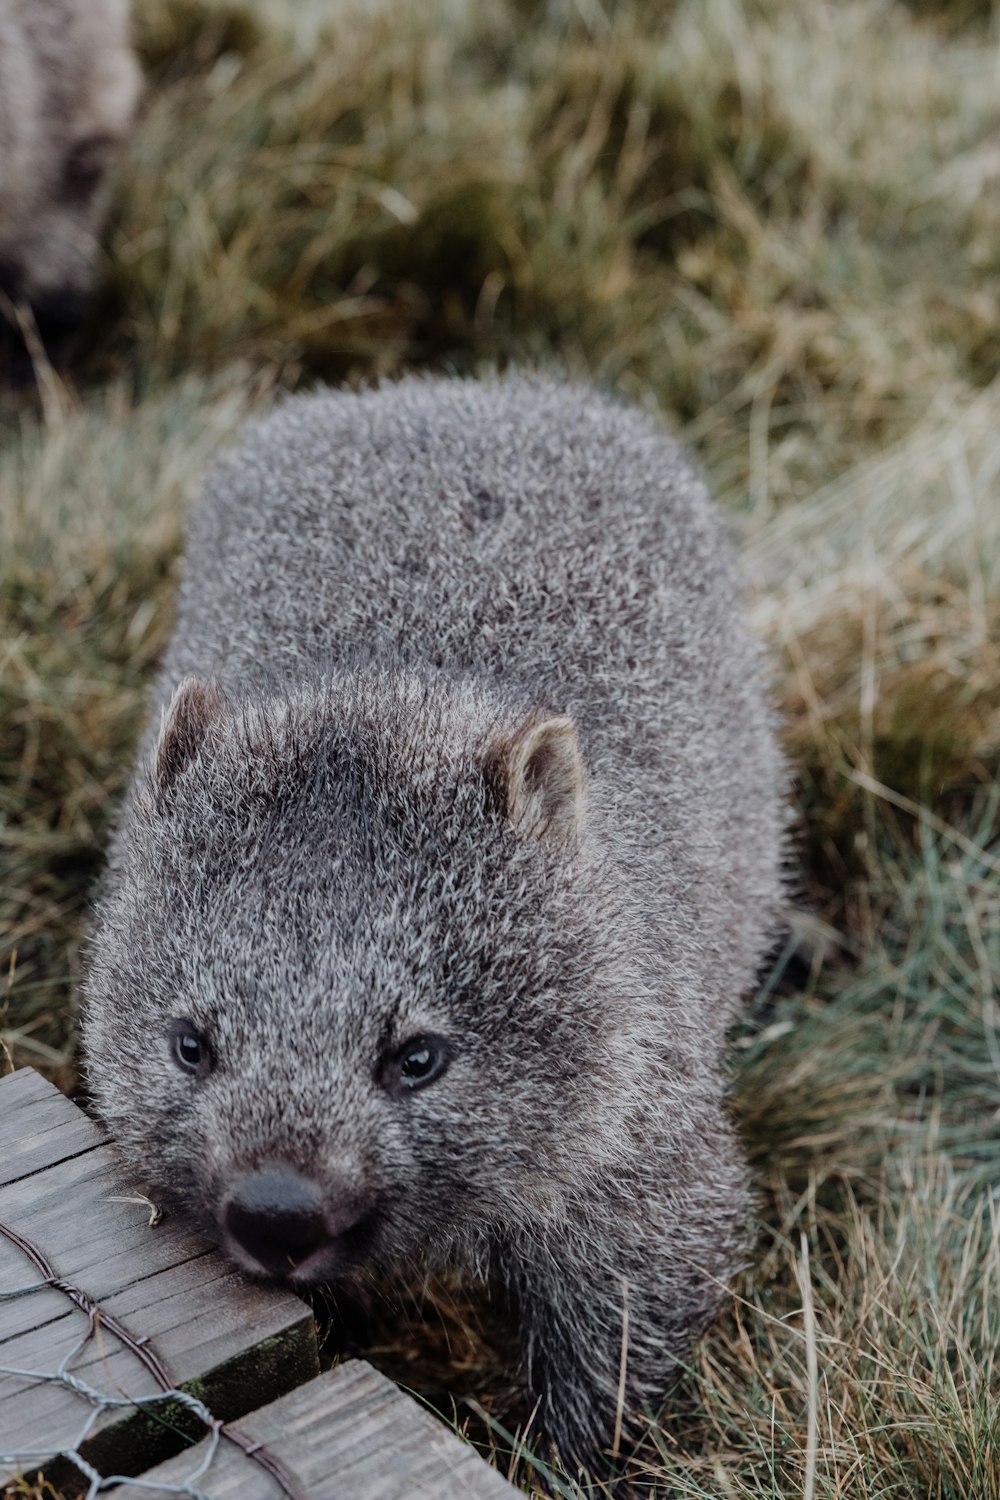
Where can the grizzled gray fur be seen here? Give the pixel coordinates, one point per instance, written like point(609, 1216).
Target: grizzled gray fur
point(454, 847)
point(69, 84)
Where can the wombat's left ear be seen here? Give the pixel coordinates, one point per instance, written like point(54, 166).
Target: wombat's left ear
point(194, 708)
point(540, 777)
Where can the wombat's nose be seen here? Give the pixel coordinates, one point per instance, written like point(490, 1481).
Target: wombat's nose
point(276, 1217)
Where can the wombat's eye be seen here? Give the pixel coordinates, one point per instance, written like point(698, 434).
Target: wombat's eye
point(190, 1048)
point(85, 165)
point(417, 1063)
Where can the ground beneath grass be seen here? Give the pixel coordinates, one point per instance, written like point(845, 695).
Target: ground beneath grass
point(778, 223)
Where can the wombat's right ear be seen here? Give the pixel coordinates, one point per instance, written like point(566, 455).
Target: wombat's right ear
point(540, 777)
point(194, 708)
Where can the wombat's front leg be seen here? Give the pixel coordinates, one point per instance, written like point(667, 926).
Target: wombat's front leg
point(608, 1306)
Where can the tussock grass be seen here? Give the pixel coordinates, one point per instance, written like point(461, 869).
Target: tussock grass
point(777, 223)
point(720, 208)
point(881, 593)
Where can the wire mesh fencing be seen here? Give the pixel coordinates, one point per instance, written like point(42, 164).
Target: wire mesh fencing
point(95, 1402)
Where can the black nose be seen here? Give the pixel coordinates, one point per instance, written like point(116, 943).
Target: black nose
point(276, 1216)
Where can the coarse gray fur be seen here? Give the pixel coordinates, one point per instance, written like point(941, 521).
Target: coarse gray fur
point(344, 842)
point(69, 85)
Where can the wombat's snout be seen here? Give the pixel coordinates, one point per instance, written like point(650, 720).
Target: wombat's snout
point(57, 309)
point(277, 1221)
point(59, 312)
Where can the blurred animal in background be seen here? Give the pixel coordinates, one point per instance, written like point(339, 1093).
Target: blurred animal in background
point(69, 86)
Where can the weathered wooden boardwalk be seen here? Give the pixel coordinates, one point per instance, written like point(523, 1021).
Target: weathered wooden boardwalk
point(189, 1320)
point(350, 1434)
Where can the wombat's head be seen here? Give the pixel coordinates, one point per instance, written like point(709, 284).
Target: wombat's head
point(57, 176)
point(349, 990)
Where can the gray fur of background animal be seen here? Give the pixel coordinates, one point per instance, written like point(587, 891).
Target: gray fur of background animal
point(69, 84)
point(366, 816)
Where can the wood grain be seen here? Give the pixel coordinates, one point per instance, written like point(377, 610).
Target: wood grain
point(350, 1434)
point(39, 1126)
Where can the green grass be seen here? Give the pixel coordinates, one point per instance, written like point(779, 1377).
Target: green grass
point(776, 222)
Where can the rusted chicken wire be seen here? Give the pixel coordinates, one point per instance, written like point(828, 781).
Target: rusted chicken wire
point(100, 1401)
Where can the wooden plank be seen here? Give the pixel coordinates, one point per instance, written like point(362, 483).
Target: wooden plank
point(39, 1126)
point(350, 1434)
point(50, 1208)
point(228, 1341)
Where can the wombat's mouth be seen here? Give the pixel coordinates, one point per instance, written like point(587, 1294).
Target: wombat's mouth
point(351, 1249)
point(304, 1264)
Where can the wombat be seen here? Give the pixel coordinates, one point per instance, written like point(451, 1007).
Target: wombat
point(69, 85)
point(439, 881)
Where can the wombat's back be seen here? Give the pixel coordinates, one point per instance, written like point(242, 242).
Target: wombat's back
point(535, 536)
point(520, 529)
